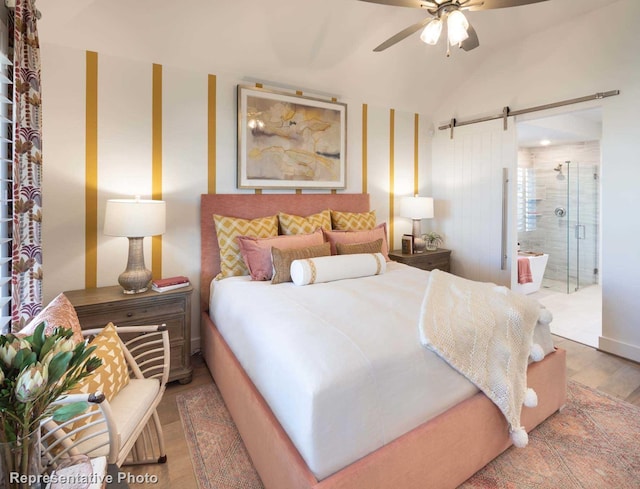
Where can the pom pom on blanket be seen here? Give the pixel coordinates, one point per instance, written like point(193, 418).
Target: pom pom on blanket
point(536, 353)
point(545, 316)
point(519, 437)
point(530, 398)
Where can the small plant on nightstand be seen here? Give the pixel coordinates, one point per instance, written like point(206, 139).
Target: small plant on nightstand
point(433, 240)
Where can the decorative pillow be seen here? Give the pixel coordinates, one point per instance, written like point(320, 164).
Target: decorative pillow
point(282, 260)
point(354, 249)
point(358, 237)
point(256, 252)
point(110, 377)
point(353, 221)
point(290, 224)
point(228, 229)
point(329, 268)
point(59, 312)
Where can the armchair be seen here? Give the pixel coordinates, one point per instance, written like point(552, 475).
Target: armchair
point(126, 429)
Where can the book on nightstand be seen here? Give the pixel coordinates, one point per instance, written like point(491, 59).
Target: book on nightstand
point(171, 283)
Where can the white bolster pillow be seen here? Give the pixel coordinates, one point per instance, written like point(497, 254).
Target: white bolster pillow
point(336, 267)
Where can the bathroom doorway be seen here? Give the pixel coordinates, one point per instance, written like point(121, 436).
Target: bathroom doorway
point(559, 216)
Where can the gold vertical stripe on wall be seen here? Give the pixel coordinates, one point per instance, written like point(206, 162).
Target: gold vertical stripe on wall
point(364, 148)
point(416, 140)
point(392, 193)
point(211, 133)
point(91, 171)
point(156, 163)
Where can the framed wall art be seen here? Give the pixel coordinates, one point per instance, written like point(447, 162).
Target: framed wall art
point(290, 141)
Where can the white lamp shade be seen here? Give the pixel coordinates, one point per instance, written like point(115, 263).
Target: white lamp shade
point(457, 25)
point(416, 207)
point(135, 218)
point(431, 33)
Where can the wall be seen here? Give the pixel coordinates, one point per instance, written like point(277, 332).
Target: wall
point(564, 62)
point(115, 155)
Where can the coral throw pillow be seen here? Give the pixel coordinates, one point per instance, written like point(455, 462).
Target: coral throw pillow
point(59, 312)
point(358, 237)
point(228, 229)
point(256, 252)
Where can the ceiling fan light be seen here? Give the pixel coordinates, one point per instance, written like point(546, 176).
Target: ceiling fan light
point(457, 25)
point(431, 33)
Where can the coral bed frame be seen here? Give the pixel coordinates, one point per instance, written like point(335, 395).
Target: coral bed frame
point(441, 453)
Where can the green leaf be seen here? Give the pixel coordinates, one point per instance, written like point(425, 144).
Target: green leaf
point(58, 365)
point(23, 359)
point(38, 338)
point(48, 344)
point(68, 411)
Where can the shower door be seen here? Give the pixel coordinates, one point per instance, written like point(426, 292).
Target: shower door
point(582, 225)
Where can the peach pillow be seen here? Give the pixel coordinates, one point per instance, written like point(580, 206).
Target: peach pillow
point(59, 312)
point(357, 237)
point(256, 252)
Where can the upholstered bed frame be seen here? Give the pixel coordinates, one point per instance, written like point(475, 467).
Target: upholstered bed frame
point(441, 453)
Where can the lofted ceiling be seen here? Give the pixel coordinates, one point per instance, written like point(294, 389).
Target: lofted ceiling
point(322, 46)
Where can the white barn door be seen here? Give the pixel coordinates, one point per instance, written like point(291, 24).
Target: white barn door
point(468, 187)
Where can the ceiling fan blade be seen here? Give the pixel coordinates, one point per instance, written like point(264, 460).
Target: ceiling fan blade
point(405, 3)
point(402, 34)
point(491, 4)
point(470, 42)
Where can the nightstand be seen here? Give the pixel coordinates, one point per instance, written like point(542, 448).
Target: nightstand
point(429, 260)
point(97, 307)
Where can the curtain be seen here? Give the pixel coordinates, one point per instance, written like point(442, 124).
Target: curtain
point(26, 280)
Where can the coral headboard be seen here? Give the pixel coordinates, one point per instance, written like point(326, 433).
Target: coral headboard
point(250, 206)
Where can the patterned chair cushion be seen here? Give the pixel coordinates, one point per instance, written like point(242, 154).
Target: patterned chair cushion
point(59, 312)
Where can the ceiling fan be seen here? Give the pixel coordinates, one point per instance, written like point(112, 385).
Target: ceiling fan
point(459, 31)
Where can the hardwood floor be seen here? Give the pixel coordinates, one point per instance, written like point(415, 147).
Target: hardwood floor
point(615, 376)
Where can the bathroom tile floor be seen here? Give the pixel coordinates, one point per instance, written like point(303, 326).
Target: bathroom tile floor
point(576, 316)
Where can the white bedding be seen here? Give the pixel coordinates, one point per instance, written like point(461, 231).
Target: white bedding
point(340, 363)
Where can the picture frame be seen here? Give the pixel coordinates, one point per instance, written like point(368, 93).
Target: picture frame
point(290, 141)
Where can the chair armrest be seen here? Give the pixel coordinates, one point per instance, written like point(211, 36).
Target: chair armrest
point(148, 351)
point(82, 433)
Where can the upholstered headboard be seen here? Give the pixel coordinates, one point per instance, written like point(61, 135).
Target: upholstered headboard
point(250, 206)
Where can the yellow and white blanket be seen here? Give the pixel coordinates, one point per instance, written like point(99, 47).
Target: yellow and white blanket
point(485, 332)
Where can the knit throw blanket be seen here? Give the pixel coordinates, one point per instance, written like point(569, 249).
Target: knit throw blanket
point(485, 332)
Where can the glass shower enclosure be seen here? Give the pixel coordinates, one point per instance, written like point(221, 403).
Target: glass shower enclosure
point(558, 214)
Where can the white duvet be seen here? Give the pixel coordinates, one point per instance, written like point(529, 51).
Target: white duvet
point(340, 363)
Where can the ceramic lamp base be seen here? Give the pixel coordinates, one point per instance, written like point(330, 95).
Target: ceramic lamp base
point(136, 278)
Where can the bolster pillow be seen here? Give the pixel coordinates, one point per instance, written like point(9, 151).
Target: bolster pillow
point(336, 267)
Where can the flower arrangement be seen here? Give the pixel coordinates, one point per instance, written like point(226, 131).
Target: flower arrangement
point(35, 371)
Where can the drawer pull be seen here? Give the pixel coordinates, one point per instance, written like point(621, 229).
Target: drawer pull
point(129, 314)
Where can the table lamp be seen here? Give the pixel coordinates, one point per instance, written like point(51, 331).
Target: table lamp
point(135, 219)
point(417, 208)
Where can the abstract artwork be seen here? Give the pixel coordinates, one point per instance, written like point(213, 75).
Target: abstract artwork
point(290, 141)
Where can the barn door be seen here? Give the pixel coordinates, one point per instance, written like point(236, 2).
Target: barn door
point(474, 183)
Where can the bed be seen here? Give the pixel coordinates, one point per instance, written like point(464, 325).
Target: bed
point(427, 455)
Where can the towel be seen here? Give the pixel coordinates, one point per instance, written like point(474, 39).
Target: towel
point(485, 332)
point(524, 270)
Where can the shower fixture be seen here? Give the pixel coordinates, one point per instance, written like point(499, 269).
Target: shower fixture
point(558, 168)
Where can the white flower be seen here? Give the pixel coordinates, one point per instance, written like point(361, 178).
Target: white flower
point(62, 345)
point(8, 351)
point(31, 382)
point(1, 376)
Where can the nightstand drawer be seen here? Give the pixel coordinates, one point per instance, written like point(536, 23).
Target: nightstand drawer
point(429, 260)
point(133, 313)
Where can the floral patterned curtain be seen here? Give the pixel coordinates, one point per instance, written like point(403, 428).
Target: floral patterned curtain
point(27, 168)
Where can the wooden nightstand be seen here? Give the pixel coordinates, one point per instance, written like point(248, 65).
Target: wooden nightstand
point(97, 307)
point(429, 260)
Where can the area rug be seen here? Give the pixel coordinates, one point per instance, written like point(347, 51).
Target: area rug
point(594, 443)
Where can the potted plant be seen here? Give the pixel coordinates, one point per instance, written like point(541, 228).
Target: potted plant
point(35, 371)
point(433, 240)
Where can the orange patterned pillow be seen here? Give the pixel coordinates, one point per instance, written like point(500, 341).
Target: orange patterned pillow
point(353, 221)
point(291, 224)
point(59, 312)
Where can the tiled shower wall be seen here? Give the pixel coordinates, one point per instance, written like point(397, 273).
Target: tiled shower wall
point(575, 189)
